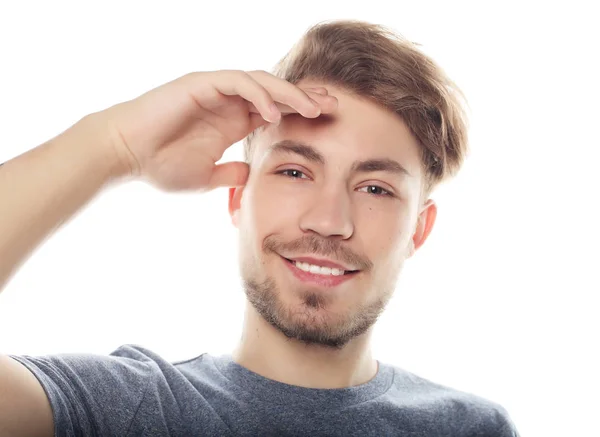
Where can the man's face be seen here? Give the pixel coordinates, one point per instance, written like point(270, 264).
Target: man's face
point(341, 190)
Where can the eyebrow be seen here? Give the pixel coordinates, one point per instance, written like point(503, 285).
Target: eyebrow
point(313, 155)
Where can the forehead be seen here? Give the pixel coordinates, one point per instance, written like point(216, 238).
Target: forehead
point(359, 129)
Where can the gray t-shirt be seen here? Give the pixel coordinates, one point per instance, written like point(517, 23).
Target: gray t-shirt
point(134, 392)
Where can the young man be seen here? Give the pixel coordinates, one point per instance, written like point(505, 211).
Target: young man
point(344, 145)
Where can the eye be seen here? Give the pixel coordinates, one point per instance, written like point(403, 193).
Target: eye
point(376, 190)
point(292, 173)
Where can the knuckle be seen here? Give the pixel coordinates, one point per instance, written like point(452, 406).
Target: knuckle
point(259, 72)
point(246, 78)
point(226, 74)
point(189, 77)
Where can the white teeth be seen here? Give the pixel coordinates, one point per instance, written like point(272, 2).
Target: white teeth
point(318, 270)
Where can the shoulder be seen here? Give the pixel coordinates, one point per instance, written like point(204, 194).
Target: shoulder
point(85, 389)
point(461, 412)
point(124, 362)
point(128, 370)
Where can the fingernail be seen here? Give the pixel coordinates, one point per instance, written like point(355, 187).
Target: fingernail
point(317, 106)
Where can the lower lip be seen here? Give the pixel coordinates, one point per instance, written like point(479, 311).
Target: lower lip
point(322, 280)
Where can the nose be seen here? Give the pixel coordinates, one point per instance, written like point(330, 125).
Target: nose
point(330, 214)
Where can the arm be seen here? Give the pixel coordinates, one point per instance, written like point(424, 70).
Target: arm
point(44, 187)
point(171, 136)
point(24, 407)
point(39, 191)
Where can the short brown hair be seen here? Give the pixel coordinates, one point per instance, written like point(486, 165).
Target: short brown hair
point(371, 61)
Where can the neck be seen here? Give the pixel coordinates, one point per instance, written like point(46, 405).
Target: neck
point(267, 352)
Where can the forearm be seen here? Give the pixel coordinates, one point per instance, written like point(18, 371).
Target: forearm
point(44, 187)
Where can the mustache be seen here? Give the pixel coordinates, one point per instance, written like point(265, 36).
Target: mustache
point(312, 244)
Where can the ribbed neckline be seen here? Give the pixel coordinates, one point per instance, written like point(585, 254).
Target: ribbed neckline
point(291, 395)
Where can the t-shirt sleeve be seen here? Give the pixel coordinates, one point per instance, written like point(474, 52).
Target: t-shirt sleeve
point(491, 419)
point(91, 395)
point(506, 425)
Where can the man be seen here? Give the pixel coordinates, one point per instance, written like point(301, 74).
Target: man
point(344, 145)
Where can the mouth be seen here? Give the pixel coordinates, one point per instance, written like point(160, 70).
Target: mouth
point(320, 270)
point(317, 275)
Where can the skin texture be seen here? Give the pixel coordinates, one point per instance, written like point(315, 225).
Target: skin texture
point(171, 136)
point(301, 333)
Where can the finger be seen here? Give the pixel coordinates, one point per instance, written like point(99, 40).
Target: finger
point(256, 121)
point(285, 92)
point(327, 103)
point(229, 174)
point(318, 90)
point(233, 83)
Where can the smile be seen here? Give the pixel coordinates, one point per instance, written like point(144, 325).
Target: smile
point(319, 275)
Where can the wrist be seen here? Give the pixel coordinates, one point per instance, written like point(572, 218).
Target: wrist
point(96, 133)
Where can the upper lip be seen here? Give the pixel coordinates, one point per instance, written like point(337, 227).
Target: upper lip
point(321, 262)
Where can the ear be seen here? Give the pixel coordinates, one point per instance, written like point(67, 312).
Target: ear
point(424, 226)
point(235, 200)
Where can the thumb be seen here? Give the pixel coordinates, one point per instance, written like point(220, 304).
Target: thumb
point(229, 174)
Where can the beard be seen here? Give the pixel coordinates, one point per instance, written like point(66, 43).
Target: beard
point(310, 322)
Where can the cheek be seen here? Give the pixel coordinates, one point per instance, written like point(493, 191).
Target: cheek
point(384, 232)
point(269, 209)
point(281, 197)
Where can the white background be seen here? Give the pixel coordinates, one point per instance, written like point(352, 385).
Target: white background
point(501, 301)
